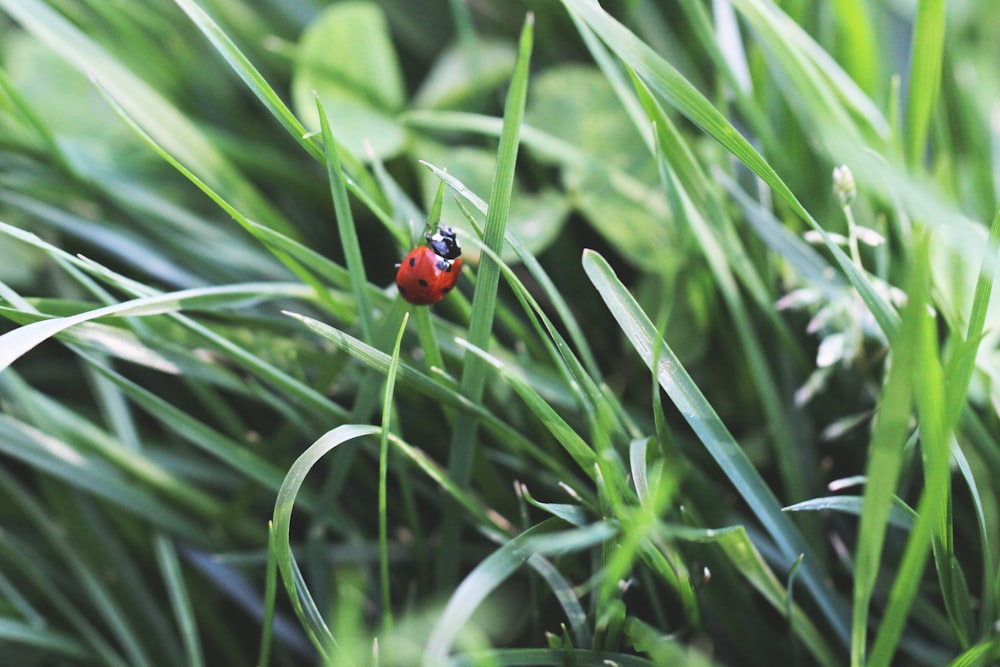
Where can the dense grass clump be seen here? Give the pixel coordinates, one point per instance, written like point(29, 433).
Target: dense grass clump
point(715, 386)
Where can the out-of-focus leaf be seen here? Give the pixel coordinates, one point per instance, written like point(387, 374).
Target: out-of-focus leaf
point(576, 104)
point(346, 56)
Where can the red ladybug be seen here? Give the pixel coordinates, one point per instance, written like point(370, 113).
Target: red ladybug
point(428, 273)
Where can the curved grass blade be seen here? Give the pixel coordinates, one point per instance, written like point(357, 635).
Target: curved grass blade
point(497, 568)
point(302, 602)
point(899, 515)
point(16, 343)
point(714, 435)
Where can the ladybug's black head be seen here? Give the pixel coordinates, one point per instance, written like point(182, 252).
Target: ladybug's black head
point(444, 243)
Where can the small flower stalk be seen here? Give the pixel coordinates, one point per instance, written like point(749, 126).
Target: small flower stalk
point(843, 185)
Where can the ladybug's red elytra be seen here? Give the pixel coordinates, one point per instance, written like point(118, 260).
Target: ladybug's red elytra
point(429, 272)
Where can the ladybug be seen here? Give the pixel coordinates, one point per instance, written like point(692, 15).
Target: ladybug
point(429, 272)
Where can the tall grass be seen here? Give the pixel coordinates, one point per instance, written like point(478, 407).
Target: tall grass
point(715, 387)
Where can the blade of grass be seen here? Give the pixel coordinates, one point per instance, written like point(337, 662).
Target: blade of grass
point(270, 595)
point(302, 602)
point(345, 225)
point(16, 343)
point(673, 151)
point(857, 43)
point(303, 394)
point(885, 460)
point(180, 602)
point(714, 436)
point(926, 55)
point(383, 474)
point(571, 441)
point(926, 377)
point(54, 644)
point(497, 568)
point(462, 448)
point(961, 367)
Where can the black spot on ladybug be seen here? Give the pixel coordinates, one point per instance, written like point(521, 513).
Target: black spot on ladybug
point(423, 283)
point(413, 262)
point(445, 290)
point(402, 290)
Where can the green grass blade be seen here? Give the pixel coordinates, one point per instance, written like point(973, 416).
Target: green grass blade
point(462, 449)
point(899, 516)
point(885, 460)
point(858, 43)
point(302, 602)
point(961, 367)
point(270, 596)
point(497, 568)
point(23, 339)
point(16, 343)
point(345, 226)
point(714, 435)
point(926, 55)
point(55, 644)
point(180, 601)
point(983, 654)
point(571, 441)
point(926, 377)
point(383, 474)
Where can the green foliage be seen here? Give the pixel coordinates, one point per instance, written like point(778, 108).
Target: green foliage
point(715, 387)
